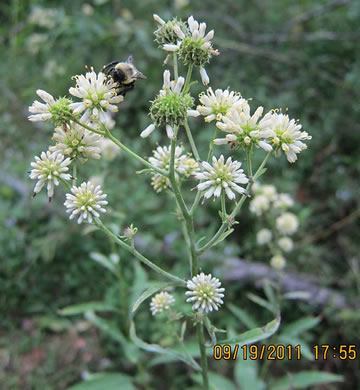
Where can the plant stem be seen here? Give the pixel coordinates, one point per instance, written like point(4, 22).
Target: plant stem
point(224, 225)
point(108, 134)
point(185, 213)
point(133, 154)
point(223, 206)
point(138, 255)
point(74, 173)
point(211, 146)
point(176, 71)
point(191, 140)
point(87, 127)
point(188, 79)
point(204, 365)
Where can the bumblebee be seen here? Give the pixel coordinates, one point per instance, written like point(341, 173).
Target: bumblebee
point(124, 74)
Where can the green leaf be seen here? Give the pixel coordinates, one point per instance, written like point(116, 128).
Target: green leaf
point(269, 292)
point(299, 326)
point(305, 350)
point(217, 382)
point(104, 261)
point(85, 307)
point(140, 282)
point(304, 379)
point(150, 291)
point(256, 334)
point(113, 331)
point(155, 348)
point(246, 374)
point(262, 302)
point(242, 316)
point(212, 330)
point(222, 237)
point(106, 381)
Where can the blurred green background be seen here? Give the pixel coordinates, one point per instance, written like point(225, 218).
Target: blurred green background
point(300, 55)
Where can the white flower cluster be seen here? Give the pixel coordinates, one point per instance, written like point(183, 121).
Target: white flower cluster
point(75, 141)
point(274, 131)
point(49, 169)
point(85, 202)
point(169, 88)
point(221, 177)
point(194, 47)
point(205, 293)
point(98, 95)
point(161, 302)
point(216, 104)
point(184, 165)
point(268, 202)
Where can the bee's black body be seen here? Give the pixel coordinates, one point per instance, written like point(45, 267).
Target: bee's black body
point(124, 74)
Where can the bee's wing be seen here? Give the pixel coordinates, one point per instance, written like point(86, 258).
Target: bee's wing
point(131, 60)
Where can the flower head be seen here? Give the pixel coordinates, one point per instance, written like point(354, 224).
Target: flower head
point(278, 262)
point(263, 236)
point(57, 111)
point(109, 149)
point(285, 135)
point(245, 129)
point(165, 34)
point(49, 168)
point(184, 165)
point(287, 223)
point(216, 104)
point(98, 94)
point(221, 176)
point(76, 142)
point(283, 201)
point(286, 244)
point(170, 106)
point(205, 293)
point(86, 202)
point(259, 204)
point(161, 302)
point(267, 190)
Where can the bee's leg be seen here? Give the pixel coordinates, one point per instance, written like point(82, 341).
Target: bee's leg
point(111, 64)
point(127, 88)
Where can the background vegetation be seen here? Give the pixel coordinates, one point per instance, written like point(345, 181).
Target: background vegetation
point(303, 55)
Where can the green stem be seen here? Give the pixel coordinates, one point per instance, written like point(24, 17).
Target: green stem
point(248, 159)
point(196, 202)
point(188, 79)
point(74, 173)
point(176, 71)
point(211, 146)
point(191, 140)
point(87, 127)
point(203, 361)
point(108, 134)
point(223, 206)
point(237, 208)
point(138, 255)
point(133, 154)
point(181, 203)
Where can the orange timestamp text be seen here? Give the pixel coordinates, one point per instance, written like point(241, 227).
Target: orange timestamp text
point(257, 352)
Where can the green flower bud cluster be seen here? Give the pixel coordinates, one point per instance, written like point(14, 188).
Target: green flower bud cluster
point(170, 108)
point(165, 33)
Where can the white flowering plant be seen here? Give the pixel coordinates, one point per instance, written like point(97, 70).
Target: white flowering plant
point(277, 224)
point(226, 174)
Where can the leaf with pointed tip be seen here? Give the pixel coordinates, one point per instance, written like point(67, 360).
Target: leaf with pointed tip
point(150, 291)
point(299, 326)
point(256, 334)
point(85, 307)
point(104, 261)
point(242, 316)
point(155, 348)
point(106, 381)
point(304, 379)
